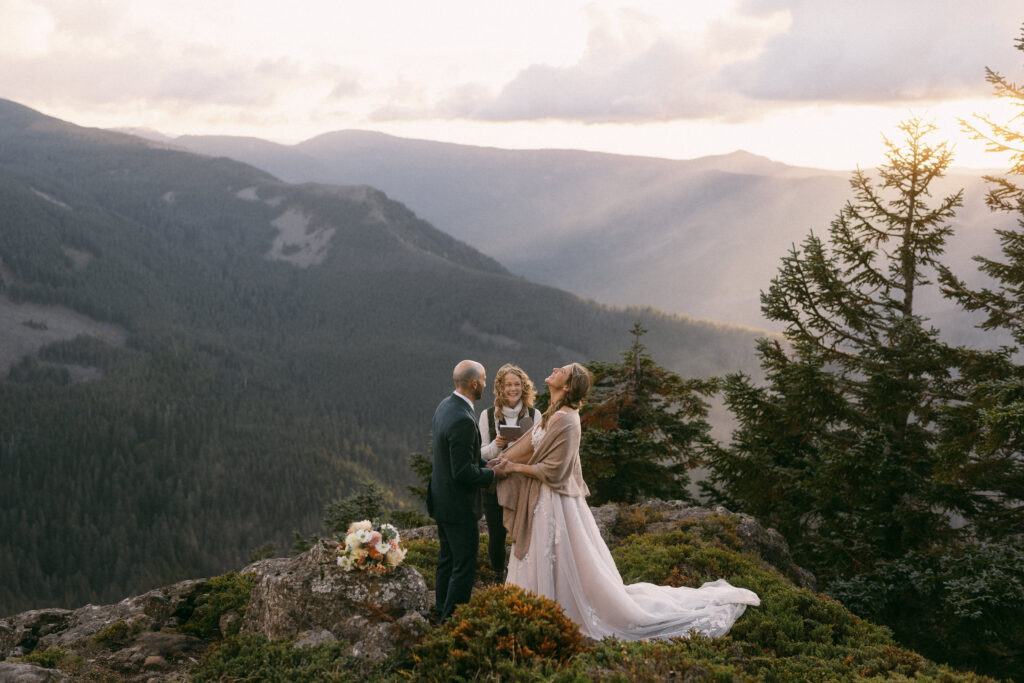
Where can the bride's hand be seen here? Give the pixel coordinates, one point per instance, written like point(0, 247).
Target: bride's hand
point(494, 462)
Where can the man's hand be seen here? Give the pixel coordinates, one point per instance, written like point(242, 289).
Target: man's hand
point(501, 468)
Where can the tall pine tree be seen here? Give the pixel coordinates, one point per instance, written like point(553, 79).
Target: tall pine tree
point(994, 413)
point(838, 450)
point(888, 459)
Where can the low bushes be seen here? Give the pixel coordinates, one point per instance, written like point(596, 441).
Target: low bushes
point(502, 632)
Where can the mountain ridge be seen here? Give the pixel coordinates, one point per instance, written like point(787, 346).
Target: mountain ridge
point(699, 237)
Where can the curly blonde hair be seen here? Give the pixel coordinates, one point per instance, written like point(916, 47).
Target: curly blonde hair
point(576, 389)
point(529, 392)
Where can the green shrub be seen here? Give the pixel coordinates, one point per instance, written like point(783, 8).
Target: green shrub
point(214, 598)
point(964, 606)
point(374, 503)
point(263, 551)
point(502, 632)
point(634, 520)
point(793, 635)
point(117, 634)
point(366, 503)
point(49, 658)
point(421, 553)
point(653, 558)
point(254, 657)
point(696, 659)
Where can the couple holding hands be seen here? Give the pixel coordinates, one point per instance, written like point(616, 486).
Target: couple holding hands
point(540, 500)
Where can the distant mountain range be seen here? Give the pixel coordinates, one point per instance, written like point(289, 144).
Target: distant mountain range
point(198, 356)
point(700, 237)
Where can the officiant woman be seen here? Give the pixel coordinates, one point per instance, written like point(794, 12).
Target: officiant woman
point(513, 401)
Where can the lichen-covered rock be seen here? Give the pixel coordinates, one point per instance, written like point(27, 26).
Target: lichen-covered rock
point(310, 592)
point(40, 629)
point(606, 516)
point(230, 623)
point(21, 633)
point(314, 638)
point(17, 672)
point(155, 650)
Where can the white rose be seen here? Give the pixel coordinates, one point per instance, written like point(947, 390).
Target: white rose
point(364, 525)
point(394, 556)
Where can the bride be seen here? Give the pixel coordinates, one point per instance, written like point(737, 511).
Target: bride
point(558, 552)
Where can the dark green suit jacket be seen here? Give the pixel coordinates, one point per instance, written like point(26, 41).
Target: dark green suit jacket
point(459, 473)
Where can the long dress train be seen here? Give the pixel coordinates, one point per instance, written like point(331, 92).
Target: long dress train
point(568, 561)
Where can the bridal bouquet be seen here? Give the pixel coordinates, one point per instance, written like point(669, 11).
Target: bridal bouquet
point(370, 547)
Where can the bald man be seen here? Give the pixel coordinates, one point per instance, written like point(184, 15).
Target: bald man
point(456, 483)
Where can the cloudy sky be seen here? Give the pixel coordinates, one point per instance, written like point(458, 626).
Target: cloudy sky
point(807, 82)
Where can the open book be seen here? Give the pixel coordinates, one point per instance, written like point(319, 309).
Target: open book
point(513, 432)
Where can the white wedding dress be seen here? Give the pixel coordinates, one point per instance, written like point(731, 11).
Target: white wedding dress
point(570, 563)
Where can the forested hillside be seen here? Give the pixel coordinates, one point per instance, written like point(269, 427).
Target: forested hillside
point(275, 345)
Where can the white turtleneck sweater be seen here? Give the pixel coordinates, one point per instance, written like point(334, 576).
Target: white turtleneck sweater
point(489, 451)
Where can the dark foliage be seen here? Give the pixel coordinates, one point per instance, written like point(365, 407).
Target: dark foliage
point(213, 598)
point(254, 657)
point(963, 605)
point(501, 631)
point(645, 428)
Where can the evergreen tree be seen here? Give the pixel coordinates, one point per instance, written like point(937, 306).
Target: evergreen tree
point(994, 412)
point(881, 453)
point(838, 450)
point(645, 427)
point(422, 466)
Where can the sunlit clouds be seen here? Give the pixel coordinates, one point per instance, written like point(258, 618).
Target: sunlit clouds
point(800, 81)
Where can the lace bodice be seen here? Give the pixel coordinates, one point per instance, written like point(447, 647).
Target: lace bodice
point(538, 430)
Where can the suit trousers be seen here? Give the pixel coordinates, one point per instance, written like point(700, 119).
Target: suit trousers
point(495, 532)
point(456, 565)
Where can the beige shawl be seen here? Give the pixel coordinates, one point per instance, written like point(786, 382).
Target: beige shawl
point(556, 463)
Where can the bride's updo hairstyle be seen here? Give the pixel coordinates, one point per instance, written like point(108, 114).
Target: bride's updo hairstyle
point(576, 389)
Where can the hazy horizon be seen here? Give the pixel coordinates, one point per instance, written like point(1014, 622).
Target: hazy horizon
point(799, 82)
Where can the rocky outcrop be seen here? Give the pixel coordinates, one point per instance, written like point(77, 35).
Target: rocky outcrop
point(38, 630)
point(307, 598)
point(124, 641)
point(16, 672)
point(310, 599)
point(660, 516)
